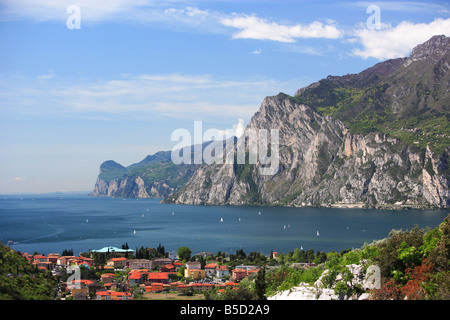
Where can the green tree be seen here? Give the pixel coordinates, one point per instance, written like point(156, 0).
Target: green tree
point(260, 284)
point(184, 253)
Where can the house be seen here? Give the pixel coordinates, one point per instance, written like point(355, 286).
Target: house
point(177, 265)
point(53, 257)
point(174, 285)
point(247, 268)
point(168, 268)
point(159, 262)
point(222, 271)
point(204, 254)
point(40, 258)
point(113, 295)
point(160, 277)
point(79, 294)
point(155, 287)
point(210, 269)
point(117, 262)
point(195, 274)
point(64, 260)
point(107, 277)
point(193, 265)
point(200, 286)
point(173, 256)
point(135, 264)
point(239, 274)
point(134, 277)
point(275, 255)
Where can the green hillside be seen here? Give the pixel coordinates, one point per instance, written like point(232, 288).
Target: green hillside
point(19, 280)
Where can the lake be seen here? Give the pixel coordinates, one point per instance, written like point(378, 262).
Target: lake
point(50, 224)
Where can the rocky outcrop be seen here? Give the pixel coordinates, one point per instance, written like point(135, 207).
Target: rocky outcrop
point(320, 291)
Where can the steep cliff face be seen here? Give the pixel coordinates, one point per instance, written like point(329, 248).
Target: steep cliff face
point(154, 177)
point(379, 138)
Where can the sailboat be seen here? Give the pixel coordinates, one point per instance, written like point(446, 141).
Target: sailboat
point(259, 212)
point(317, 233)
point(221, 219)
point(134, 231)
point(284, 226)
point(239, 219)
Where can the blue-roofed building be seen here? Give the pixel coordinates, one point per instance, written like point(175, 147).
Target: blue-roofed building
point(112, 250)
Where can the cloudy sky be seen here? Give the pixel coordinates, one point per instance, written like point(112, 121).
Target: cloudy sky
point(82, 82)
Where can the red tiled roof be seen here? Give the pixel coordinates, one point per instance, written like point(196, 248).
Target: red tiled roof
point(158, 276)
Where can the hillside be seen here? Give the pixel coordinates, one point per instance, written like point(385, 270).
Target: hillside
point(19, 280)
point(379, 138)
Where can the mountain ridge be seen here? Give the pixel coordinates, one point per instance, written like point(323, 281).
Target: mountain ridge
point(377, 138)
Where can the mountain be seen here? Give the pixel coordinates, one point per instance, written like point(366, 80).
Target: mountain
point(156, 176)
point(379, 138)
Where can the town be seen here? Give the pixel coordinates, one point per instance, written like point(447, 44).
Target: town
point(113, 273)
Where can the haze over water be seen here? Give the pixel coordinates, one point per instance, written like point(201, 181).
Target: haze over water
point(50, 224)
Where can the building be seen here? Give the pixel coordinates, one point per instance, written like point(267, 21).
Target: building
point(135, 264)
point(239, 274)
point(195, 274)
point(247, 268)
point(222, 271)
point(134, 277)
point(159, 262)
point(193, 265)
point(160, 277)
point(211, 269)
point(117, 262)
point(107, 277)
point(113, 295)
point(109, 250)
point(168, 268)
point(173, 256)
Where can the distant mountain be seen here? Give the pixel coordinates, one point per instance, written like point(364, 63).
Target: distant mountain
point(156, 176)
point(380, 138)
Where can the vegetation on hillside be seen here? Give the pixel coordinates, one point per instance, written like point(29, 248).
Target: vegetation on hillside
point(19, 280)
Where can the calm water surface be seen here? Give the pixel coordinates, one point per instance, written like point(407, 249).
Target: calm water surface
point(49, 224)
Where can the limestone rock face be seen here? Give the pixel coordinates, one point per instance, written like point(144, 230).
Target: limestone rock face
point(375, 139)
point(322, 163)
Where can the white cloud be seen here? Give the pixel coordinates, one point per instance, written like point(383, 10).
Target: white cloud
point(152, 96)
point(239, 128)
point(19, 178)
point(394, 42)
point(253, 27)
point(257, 51)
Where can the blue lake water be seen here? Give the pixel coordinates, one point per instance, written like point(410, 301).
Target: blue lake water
point(50, 224)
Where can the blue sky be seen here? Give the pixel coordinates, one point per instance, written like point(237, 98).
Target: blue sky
point(117, 87)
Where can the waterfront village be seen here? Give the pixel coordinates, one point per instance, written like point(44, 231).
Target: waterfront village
point(123, 275)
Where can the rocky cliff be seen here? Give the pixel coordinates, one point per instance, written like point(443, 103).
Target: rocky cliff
point(378, 138)
point(154, 177)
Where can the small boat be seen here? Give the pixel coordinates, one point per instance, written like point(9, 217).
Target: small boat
point(301, 248)
point(239, 219)
point(142, 215)
point(317, 233)
point(284, 227)
point(10, 242)
point(173, 213)
point(87, 220)
point(134, 231)
point(221, 219)
point(259, 212)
